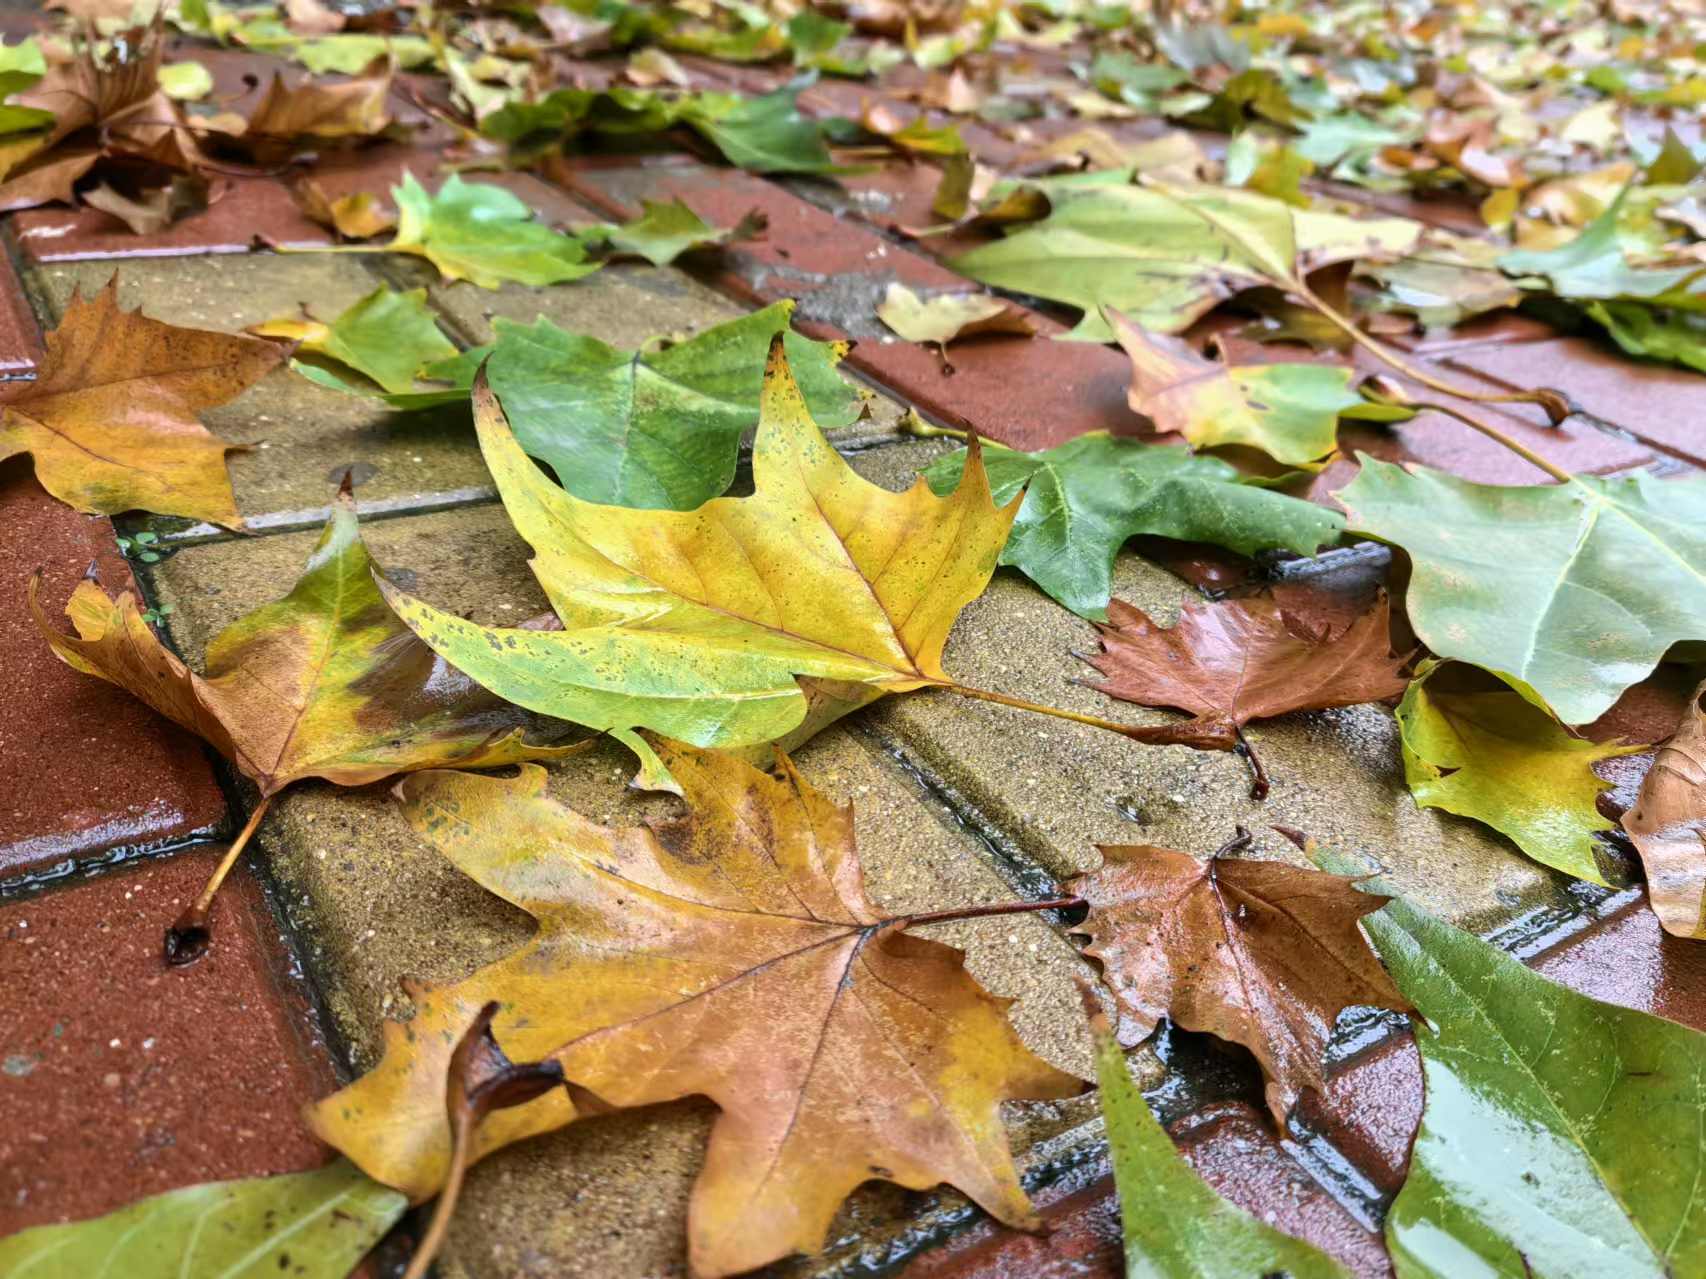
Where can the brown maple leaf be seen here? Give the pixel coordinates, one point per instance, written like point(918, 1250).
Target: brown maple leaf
point(733, 954)
point(110, 419)
point(309, 114)
point(1265, 954)
point(109, 113)
point(1668, 826)
point(1233, 662)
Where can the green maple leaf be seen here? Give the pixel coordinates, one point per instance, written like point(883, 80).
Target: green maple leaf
point(1492, 755)
point(1166, 256)
point(317, 1225)
point(386, 337)
point(1175, 1225)
point(662, 233)
point(1084, 498)
point(1560, 1135)
point(483, 234)
point(654, 427)
point(1570, 593)
point(1594, 264)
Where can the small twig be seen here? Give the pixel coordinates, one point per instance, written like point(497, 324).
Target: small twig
point(187, 940)
point(1131, 731)
point(1241, 839)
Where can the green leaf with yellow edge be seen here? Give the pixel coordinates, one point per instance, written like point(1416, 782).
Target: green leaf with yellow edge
point(483, 234)
point(1480, 749)
point(1175, 1225)
point(1167, 255)
point(310, 1225)
point(325, 682)
point(1561, 1135)
point(387, 337)
point(1288, 411)
point(731, 954)
point(1570, 592)
point(21, 66)
point(660, 426)
point(698, 624)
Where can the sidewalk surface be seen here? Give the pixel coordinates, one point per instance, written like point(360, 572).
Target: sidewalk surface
point(120, 1077)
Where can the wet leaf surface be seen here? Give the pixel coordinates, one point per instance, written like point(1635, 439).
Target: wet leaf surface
point(1261, 953)
point(1175, 1225)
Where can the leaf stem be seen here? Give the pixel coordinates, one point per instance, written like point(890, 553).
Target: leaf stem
point(984, 912)
point(1019, 703)
point(1258, 774)
point(1557, 406)
point(461, 1132)
point(187, 939)
point(1493, 433)
point(912, 424)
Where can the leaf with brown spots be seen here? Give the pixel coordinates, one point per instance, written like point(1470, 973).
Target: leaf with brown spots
point(1262, 953)
point(1668, 826)
point(110, 419)
point(731, 954)
point(325, 682)
point(1233, 662)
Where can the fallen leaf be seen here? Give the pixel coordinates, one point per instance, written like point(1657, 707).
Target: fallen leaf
point(1481, 750)
point(150, 210)
point(314, 1225)
point(110, 419)
point(483, 234)
point(1533, 1090)
point(1288, 411)
point(1594, 264)
point(1570, 593)
point(697, 624)
point(730, 954)
point(658, 427)
point(1656, 333)
point(1261, 953)
point(317, 114)
point(322, 683)
point(1174, 1225)
point(663, 232)
point(1668, 826)
point(387, 337)
point(357, 216)
point(946, 316)
point(1083, 499)
point(1166, 255)
point(21, 67)
point(1239, 660)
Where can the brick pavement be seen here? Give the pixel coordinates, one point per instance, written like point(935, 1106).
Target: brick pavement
point(109, 816)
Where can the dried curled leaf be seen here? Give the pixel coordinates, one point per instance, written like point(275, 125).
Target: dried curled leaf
point(1262, 953)
point(110, 420)
point(325, 682)
point(732, 954)
point(1668, 826)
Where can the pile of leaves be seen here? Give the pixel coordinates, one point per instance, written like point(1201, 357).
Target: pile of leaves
point(732, 952)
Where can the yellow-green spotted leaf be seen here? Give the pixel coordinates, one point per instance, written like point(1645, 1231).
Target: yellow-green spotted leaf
point(1480, 749)
point(307, 1225)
